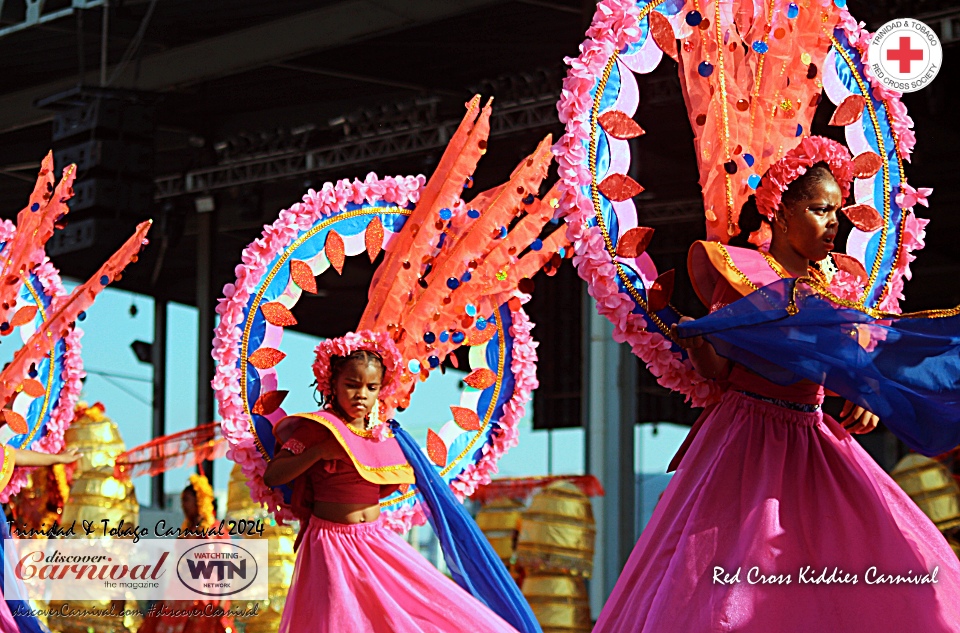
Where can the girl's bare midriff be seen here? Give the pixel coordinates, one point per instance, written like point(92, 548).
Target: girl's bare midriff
point(346, 512)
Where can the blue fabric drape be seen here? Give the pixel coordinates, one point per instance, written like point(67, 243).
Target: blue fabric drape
point(27, 623)
point(472, 561)
point(904, 369)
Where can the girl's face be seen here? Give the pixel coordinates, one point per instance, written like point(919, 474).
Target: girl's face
point(811, 220)
point(357, 387)
point(188, 500)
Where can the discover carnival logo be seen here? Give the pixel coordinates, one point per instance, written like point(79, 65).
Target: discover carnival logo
point(905, 55)
point(217, 569)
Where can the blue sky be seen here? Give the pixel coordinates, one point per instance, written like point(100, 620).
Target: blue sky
point(116, 378)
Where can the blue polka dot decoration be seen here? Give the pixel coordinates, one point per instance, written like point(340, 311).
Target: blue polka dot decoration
point(445, 214)
point(470, 309)
point(35, 207)
point(444, 337)
point(693, 18)
point(414, 366)
point(760, 47)
point(473, 214)
point(753, 181)
point(537, 245)
point(458, 337)
point(840, 3)
point(799, 129)
point(705, 69)
point(434, 362)
point(453, 283)
point(793, 11)
point(749, 160)
point(429, 338)
point(104, 280)
point(481, 323)
point(82, 316)
point(465, 277)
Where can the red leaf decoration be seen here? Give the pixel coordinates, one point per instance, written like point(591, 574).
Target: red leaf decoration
point(851, 265)
point(33, 388)
point(277, 314)
point(303, 276)
point(514, 304)
point(466, 419)
point(619, 125)
point(479, 337)
point(335, 250)
point(867, 164)
point(481, 378)
point(864, 217)
point(269, 402)
point(849, 111)
point(23, 315)
point(436, 449)
point(634, 242)
point(373, 237)
point(658, 296)
point(619, 187)
point(266, 357)
point(15, 421)
point(663, 34)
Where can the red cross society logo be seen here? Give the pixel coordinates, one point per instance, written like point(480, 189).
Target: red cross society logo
point(905, 55)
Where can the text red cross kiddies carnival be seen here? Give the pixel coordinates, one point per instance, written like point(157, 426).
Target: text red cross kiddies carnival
point(905, 54)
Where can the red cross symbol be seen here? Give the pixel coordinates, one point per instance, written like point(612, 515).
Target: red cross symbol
point(905, 54)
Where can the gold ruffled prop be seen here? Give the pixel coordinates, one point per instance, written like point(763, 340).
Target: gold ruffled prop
point(559, 602)
point(240, 506)
point(96, 495)
point(932, 487)
point(557, 532)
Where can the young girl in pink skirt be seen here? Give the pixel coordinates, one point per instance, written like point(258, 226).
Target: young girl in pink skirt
point(353, 573)
point(776, 518)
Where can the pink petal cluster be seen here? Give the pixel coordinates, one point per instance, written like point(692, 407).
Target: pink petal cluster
point(908, 197)
point(379, 342)
point(810, 151)
point(914, 231)
point(331, 199)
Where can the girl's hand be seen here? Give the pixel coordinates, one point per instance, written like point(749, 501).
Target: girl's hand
point(68, 456)
point(692, 342)
point(857, 419)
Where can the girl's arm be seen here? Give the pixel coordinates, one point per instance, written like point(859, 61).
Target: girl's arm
point(704, 357)
point(287, 465)
point(24, 457)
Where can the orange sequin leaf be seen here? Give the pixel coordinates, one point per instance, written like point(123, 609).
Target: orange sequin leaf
point(849, 111)
point(663, 34)
point(864, 217)
point(619, 125)
point(634, 242)
point(266, 357)
point(15, 421)
point(404, 488)
point(480, 337)
point(658, 296)
point(481, 378)
point(269, 402)
point(373, 237)
point(33, 388)
point(23, 315)
point(619, 187)
point(851, 265)
point(466, 419)
point(303, 276)
point(335, 250)
point(867, 164)
point(436, 449)
point(277, 314)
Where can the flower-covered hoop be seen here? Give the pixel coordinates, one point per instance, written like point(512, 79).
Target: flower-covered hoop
point(345, 219)
point(600, 97)
point(47, 397)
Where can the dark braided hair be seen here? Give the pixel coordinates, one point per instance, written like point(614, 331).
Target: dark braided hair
point(337, 363)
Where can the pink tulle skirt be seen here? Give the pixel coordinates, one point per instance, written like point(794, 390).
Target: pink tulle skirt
point(778, 521)
point(365, 578)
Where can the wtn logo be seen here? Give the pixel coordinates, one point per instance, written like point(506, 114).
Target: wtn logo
point(217, 569)
point(224, 568)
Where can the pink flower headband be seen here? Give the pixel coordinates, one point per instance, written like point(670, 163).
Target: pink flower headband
point(379, 343)
point(810, 151)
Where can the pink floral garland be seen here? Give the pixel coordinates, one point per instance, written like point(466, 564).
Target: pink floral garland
point(62, 415)
point(796, 162)
point(614, 26)
point(379, 342)
point(331, 199)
